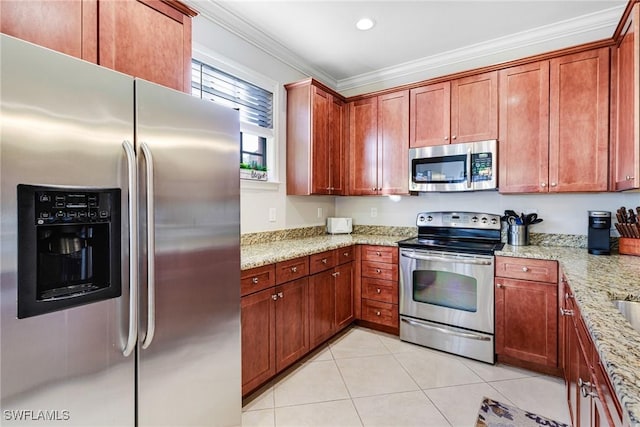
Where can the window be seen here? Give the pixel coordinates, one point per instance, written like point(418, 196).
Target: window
point(255, 105)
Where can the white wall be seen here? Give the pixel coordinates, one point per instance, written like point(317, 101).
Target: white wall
point(562, 213)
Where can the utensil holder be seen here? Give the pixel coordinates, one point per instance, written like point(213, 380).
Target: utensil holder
point(629, 246)
point(518, 235)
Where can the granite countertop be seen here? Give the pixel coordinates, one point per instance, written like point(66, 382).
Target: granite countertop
point(257, 255)
point(595, 281)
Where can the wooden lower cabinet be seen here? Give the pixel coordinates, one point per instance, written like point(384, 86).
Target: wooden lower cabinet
point(526, 313)
point(258, 320)
point(292, 322)
point(378, 288)
point(344, 310)
point(590, 395)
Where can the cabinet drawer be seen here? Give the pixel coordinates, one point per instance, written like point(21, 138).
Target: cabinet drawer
point(292, 269)
point(344, 255)
point(321, 261)
point(380, 270)
point(380, 312)
point(380, 290)
point(386, 254)
point(257, 279)
point(539, 270)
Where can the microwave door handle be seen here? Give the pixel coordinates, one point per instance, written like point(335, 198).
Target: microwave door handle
point(469, 168)
point(133, 248)
point(446, 259)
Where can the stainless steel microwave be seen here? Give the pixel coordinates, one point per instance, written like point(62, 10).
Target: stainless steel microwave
point(468, 166)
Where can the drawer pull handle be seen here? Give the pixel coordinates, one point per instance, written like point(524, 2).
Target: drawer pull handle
point(629, 178)
point(566, 312)
point(294, 269)
point(336, 274)
point(525, 269)
point(378, 290)
point(324, 260)
point(378, 253)
point(254, 280)
point(378, 271)
point(346, 254)
point(378, 313)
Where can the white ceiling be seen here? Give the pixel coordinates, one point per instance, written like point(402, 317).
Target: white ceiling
point(320, 38)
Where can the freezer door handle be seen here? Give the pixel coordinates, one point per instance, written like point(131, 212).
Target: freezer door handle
point(151, 246)
point(133, 248)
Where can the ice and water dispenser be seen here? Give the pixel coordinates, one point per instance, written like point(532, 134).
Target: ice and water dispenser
point(68, 247)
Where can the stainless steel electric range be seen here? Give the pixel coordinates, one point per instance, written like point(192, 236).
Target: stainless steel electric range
point(446, 283)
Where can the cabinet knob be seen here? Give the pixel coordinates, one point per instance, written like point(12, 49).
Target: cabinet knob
point(280, 295)
point(378, 290)
point(378, 313)
point(629, 178)
point(454, 137)
point(568, 296)
point(373, 189)
point(379, 188)
point(336, 274)
point(543, 184)
point(324, 260)
point(564, 312)
point(378, 253)
point(498, 285)
point(378, 271)
point(274, 297)
point(294, 269)
point(254, 280)
point(346, 254)
point(525, 269)
point(554, 184)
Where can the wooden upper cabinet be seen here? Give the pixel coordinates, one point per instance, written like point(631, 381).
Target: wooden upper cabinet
point(65, 26)
point(524, 128)
point(462, 110)
point(579, 122)
point(626, 146)
point(379, 136)
point(147, 39)
point(150, 39)
point(474, 108)
point(430, 115)
point(393, 137)
point(315, 140)
point(363, 146)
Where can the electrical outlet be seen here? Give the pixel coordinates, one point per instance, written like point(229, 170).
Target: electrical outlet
point(272, 214)
point(319, 212)
point(374, 212)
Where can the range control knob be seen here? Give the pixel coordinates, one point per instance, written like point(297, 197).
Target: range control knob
point(421, 218)
point(474, 219)
point(429, 218)
point(484, 220)
point(494, 221)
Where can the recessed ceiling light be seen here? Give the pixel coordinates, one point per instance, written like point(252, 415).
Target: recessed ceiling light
point(365, 24)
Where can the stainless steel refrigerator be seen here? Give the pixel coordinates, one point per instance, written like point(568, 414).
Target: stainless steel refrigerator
point(146, 333)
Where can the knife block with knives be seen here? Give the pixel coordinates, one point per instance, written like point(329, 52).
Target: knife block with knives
point(629, 228)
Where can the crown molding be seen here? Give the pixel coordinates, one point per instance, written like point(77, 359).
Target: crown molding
point(585, 28)
point(218, 14)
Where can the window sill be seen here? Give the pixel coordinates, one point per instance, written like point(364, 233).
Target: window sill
point(251, 184)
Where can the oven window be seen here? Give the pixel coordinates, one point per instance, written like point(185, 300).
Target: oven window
point(445, 289)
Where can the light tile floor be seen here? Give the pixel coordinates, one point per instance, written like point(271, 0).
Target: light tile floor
point(367, 378)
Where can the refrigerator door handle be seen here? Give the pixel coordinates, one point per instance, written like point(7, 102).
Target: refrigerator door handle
point(133, 248)
point(151, 245)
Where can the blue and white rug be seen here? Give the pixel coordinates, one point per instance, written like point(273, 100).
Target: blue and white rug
point(495, 414)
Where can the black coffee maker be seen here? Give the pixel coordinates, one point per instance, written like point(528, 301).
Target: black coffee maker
point(599, 229)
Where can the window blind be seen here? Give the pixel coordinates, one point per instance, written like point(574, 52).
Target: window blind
point(255, 104)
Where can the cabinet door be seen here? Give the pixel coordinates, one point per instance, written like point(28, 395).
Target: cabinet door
point(430, 115)
point(258, 314)
point(571, 368)
point(321, 144)
point(363, 146)
point(579, 122)
point(321, 307)
point(527, 320)
point(337, 152)
point(292, 322)
point(147, 39)
point(344, 312)
point(626, 174)
point(474, 108)
point(524, 128)
point(393, 143)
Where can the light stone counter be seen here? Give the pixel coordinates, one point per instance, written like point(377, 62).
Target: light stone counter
point(256, 255)
point(596, 280)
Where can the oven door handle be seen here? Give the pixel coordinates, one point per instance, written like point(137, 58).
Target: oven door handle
point(447, 331)
point(445, 259)
point(469, 168)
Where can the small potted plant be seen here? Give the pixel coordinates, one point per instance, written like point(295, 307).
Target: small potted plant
point(253, 171)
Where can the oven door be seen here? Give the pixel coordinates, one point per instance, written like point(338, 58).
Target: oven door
point(448, 288)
